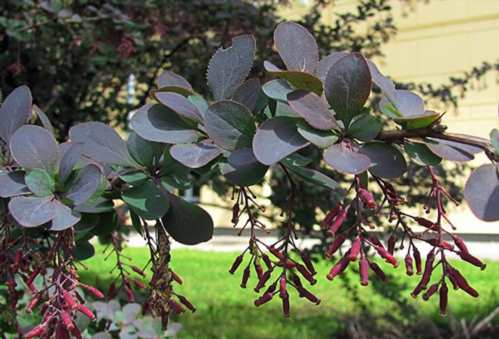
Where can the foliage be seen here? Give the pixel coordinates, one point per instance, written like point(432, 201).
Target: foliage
point(56, 197)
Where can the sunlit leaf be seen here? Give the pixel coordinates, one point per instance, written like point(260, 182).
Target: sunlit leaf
point(297, 79)
point(31, 211)
point(421, 154)
point(229, 124)
point(147, 200)
point(322, 139)
point(64, 217)
point(101, 143)
point(35, 147)
point(180, 105)
point(297, 47)
point(195, 155)
point(386, 86)
point(277, 138)
point(187, 223)
point(343, 158)
point(451, 150)
point(160, 124)
point(313, 109)
point(277, 89)
point(388, 161)
point(40, 182)
point(327, 62)
point(347, 86)
point(15, 111)
point(230, 66)
point(242, 168)
point(364, 127)
point(482, 192)
point(171, 82)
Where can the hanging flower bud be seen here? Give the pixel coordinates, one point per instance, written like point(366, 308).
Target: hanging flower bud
point(139, 284)
point(424, 222)
point(86, 311)
point(304, 293)
point(282, 286)
point(112, 290)
point(330, 216)
point(258, 269)
point(236, 263)
point(129, 292)
point(442, 244)
point(391, 244)
point(472, 260)
point(338, 221)
point(457, 278)
point(387, 256)
point(367, 198)
point(37, 331)
point(267, 261)
point(98, 294)
point(355, 249)
point(378, 271)
point(245, 277)
point(66, 320)
point(408, 265)
point(186, 303)
point(338, 268)
point(175, 307)
point(266, 297)
point(68, 299)
point(335, 245)
point(276, 252)
point(285, 305)
point(305, 256)
point(460, 244)
point(364, 271)
point(235, 214)
point(417, 259)
point(176, 277)
point(430, 291)
point(426, 274)
point(263, 280)
point(443, 298)
point(138, 270)
point(32, 304)
point(306, 274)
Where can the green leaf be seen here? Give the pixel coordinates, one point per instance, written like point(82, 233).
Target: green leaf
point(136, 222)
point(187, 223)
point(229, 124)
point(388, 161)
point(322, 139)
point(494, 138)
point(299, 80)
point(40, 182)
point(147, 200)
point(277, 89)
point(364, 127)
point(313, 176)
point(242, 168)
point(296, 159)
point(421, 154)
point(134, 178)
point(83, 250)
point(143, 151)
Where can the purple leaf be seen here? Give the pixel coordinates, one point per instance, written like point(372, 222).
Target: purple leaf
point(195, 155)
point(313, 109)
point(299, 80)
point(452, 150)
point(297, 47)
point(230, 66)
point(44, 119)
point(101, 143)
point(344, 159)
point(160, 124)
point(242, 168)
point(87, 182)
point(64, 217)
point(229, 124)
point(348, 85)
point(35, 147)
point(327, 62)
point(15, 111)
point(277, 89)
point(403, 104)
point(247, 94)
point(71, 156)
point(482, 192)
point(277, 138)
point(12, 184)
point(32, 211)
point(388, 161)
point(180, 105)
point(171, 82)
point(386, 86)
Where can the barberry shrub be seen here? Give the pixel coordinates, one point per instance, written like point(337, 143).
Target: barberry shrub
point(56, 197)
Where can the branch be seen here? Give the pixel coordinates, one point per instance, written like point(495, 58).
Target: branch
point(438, 132)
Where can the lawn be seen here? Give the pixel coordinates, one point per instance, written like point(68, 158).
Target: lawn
point(224, 310)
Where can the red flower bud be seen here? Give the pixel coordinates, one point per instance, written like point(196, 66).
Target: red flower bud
point(67, 321)
point(276, 252)
point(338, 268)
point(282, 286)
point(32, 277)
point(391, 243)
point(175, 306)
point(355, 249)
point(308, 262)
point(37, 331)
point(263, 280)
point(98, 294)
point(138, 271)
point(338, 221)
point(443, 298)
point(417, 259)
point(430, 291)
point(32, 304)
point(386, 255)
point(472, 260)
point(258, 269)
point(139, 284)
point(267, 261)
point(86, 311)
point(306, 274)
point(186, 303)
point(263, 299)
point(460, 244)
point(367, 198)
point(245, 277)
point(424, 222)
point(285, 305)
point(176, 277)
point(335, 245)
point(236, 263)
point(378, 271)
point(330, 216)
point(426, 274)
point(68, 299)
point(442, 244)
point(307, 295)
point(408, 265)
point(364, 271)
point(458, 280)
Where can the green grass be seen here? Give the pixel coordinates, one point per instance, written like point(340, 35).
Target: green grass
point(224, 310)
